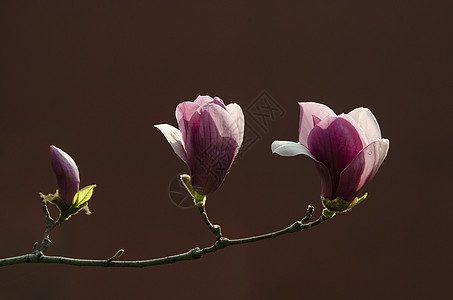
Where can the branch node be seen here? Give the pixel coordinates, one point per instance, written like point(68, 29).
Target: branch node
point(297, 226)
point(196, 253)
point(217, 231)
point(38, 254)
point(221, 243)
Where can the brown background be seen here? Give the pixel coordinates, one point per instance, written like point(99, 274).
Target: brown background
point(94, 77)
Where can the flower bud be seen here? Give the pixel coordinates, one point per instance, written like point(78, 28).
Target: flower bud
point(67, 174)
point(68, 198)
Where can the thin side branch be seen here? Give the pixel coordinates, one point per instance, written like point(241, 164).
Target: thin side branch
point(50, 225)
point(216, 230)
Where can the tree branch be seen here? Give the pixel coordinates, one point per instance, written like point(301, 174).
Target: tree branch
point(195, 253)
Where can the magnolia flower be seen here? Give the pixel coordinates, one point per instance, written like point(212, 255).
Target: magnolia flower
point(67, 174)
point(208, 139)
point(347, 149)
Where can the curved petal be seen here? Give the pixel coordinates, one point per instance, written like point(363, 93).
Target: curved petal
point(173, 136)
point(366, 120)
point(202, 100)
point(211, 146)
point(219, 102)
point(184, 112)
point(362, 169)
point(288, 148)
point(238, 117)
point(67, 174)
point(335, 142)
point(360, 131)
point(308, 110)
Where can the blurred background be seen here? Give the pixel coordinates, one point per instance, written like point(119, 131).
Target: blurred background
point(93, 77)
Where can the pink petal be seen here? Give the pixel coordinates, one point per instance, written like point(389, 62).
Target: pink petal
point(184, 112)
point(202, 100)
point(309, 110)
point(366, 120)
point(335, 142)
point(316, 120)
point(219, 102)
point(212, 143)
point(362, 169)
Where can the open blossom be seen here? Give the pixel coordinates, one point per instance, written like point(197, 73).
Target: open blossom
point(209, 137)
point(67, 174)
point(348, 149)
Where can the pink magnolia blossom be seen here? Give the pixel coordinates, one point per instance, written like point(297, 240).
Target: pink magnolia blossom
point(209, 137)
point(66, 172)
point(347, 149)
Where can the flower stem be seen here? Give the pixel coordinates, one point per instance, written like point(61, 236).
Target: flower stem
point(216, 230)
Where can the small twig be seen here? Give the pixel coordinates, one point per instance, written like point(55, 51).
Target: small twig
point(310, 210)
point(34, 247)
point(117, 255)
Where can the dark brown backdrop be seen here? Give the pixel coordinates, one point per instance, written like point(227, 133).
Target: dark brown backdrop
point(94, 77)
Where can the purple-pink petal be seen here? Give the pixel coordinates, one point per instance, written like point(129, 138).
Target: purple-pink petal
point(184, 112)
point(212, 142)
point(67, 174)
point(309, 112)
point(362, 169)
point(186, 109)
point(326, 179)
point(334, 142)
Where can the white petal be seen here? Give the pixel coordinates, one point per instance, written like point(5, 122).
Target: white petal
point(366, 120)
point(287, 148)
point(174, 137)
